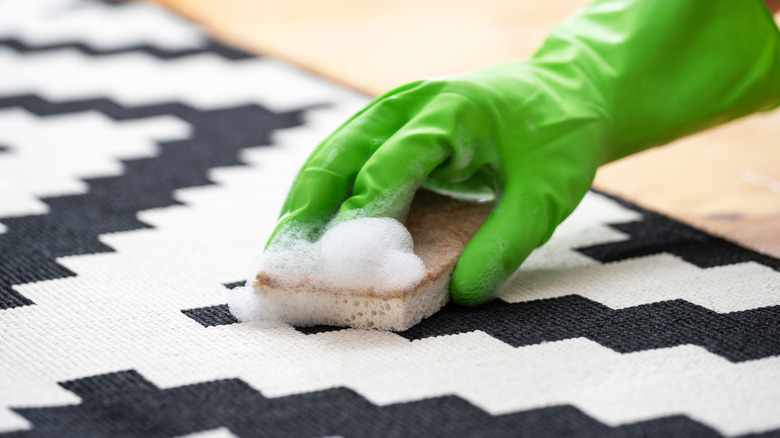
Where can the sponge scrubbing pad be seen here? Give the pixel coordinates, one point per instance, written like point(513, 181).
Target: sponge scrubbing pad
point(440, 228)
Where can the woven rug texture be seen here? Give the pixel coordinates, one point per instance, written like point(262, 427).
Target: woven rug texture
point(142, 167)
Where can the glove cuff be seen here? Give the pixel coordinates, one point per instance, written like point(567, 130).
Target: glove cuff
point(665, 69)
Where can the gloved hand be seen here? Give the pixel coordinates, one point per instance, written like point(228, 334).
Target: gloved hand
point(616, 78)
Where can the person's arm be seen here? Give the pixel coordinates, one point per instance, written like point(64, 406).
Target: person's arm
point(774, 5)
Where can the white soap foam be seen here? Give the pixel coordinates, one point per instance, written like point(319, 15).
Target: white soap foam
point(358, 254)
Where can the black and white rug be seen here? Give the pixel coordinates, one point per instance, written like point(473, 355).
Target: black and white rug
point(142, 166)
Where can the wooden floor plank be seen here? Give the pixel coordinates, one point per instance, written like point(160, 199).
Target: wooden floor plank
point(375, 46)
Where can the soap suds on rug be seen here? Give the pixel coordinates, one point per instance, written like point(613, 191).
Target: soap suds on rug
point(358, 254)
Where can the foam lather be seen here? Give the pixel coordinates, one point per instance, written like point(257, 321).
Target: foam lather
point(364, 274)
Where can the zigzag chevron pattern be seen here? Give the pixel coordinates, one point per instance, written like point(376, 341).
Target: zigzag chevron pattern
point(656, 233)
point(142, 166)
point(73, 223)
point(204, 80)
point(132, 406)
point(586, 376)
point(209, 47)
point(93, 23)
point(738, 336)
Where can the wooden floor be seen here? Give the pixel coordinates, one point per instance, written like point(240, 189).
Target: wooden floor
point(725, 181)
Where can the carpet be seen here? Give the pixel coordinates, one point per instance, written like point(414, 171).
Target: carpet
point(142, 166)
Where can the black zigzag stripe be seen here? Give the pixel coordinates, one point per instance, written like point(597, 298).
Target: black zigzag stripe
point(32, 243)
point(125, 404)
point(208, 46)
point(737, 336)
point(212, 316)
point(655, 233)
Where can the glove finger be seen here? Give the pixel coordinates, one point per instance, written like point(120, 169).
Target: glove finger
point(384, 187)
point(387, 182)
point(519, 223)
point(325, 179)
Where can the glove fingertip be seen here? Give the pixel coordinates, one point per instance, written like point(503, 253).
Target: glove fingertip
point(493, 254)
point(474, 281)
point(466, 294)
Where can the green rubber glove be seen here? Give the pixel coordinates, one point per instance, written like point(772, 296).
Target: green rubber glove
point(616, 78)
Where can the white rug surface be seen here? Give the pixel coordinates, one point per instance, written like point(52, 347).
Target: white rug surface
point(142, 167)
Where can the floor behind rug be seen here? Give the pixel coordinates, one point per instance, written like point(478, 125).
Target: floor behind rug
point(142, 165)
